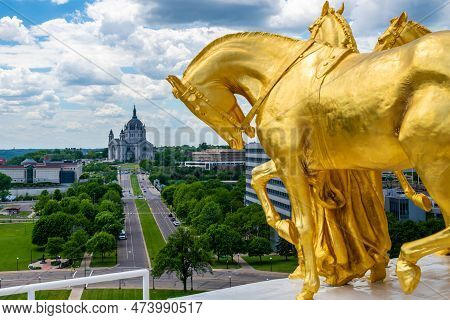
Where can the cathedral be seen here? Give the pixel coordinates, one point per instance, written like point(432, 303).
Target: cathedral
point(132, 145)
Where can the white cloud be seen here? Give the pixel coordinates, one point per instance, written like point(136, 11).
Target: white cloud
point(140, 42)
point(109, 110)
point(23, 91)
point(12, 29)
point(59, 2)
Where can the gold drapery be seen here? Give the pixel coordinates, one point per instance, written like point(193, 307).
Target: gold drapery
point(353, 238)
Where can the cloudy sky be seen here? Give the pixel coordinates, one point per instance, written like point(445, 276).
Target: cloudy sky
point(70, 70)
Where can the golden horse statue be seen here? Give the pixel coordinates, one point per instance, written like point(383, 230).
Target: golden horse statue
point(320, 108)
point(333, 29)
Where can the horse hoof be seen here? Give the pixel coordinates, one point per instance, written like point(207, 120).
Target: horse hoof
point(377, 273)
point(298, 273)
point(305, 295)
point(408, 275)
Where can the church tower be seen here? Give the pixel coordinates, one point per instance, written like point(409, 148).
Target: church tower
point(111, 135)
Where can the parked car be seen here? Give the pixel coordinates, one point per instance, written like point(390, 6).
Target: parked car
point(176, 223)
point(173, 219)
point(170, 215)
point(123, 235)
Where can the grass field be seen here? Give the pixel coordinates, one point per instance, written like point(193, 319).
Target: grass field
point(15, 242)
point(132, 294)
point(129, 166)
point(222, 264)
point(41, 295)
point(109, 260)
point(135, 185)
point(153, 237)
point(279, 264)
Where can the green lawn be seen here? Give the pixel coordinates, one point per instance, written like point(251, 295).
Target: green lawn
point(222, 264)
point(129, 166)
point(15, 242)
point(109, 260)
point(132, 294)
point(279, 264)
point(41, 295)
point(135, 185)
point(152, 235)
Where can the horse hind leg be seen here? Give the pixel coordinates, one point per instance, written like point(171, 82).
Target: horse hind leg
point(425, 137)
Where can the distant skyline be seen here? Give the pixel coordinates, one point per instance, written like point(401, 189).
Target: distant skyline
point(52, 97)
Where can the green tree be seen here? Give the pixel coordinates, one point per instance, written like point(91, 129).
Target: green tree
point(112, 195)
point(54, 246)
point(108, 205)
point(5, 185)
point(223, 240)
point(88, 209)
point(75, 247)
point(210, 214)
point(249, 221)
point(285, 248)
point(258, 247)
point(101, 242)
point(52, 206)
point(106, 221)
point(57, 195)
point(168, 193)
point(183, 255)
point(58, 224)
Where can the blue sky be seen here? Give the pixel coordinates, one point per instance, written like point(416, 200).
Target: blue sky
point(67, 66)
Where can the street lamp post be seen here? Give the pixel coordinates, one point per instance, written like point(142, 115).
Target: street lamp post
point(270, 264)
point(0, 283)
point(229, 277)
point(17, 264)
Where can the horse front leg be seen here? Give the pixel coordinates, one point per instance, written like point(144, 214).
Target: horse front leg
point(300, 196)
point(260, 177)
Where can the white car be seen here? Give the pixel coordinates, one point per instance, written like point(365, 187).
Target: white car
point(176, 223)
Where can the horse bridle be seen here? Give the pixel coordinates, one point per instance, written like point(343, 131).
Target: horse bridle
point(189, 94)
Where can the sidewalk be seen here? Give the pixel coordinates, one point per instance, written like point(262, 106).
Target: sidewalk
point(77, 292)
point(244, 264)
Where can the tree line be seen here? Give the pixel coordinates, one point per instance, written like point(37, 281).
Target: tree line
point(87, 217)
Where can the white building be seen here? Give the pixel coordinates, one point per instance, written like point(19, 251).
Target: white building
point(29, 171)
point(254, 156)
point(132, 145)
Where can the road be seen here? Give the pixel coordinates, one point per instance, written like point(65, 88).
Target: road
point(159, 209)
point(218, 280)
point(131, 252)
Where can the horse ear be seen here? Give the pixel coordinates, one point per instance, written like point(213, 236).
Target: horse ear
point(341, 9)
point(402, 18)
point(325, 8)
point(178, 87)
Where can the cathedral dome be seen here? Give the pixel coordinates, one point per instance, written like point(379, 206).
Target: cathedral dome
point(134, 123)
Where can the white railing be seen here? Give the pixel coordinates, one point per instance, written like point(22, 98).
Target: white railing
point(30, 289)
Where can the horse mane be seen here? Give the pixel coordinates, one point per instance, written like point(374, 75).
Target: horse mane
point(346, 29)
point(233, 36)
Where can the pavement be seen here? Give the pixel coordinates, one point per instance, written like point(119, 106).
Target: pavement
point(131, 252)
point(159, 209)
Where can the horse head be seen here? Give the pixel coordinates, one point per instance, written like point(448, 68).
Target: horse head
point(399, 32)
point(213, 103)
point(332, 28)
